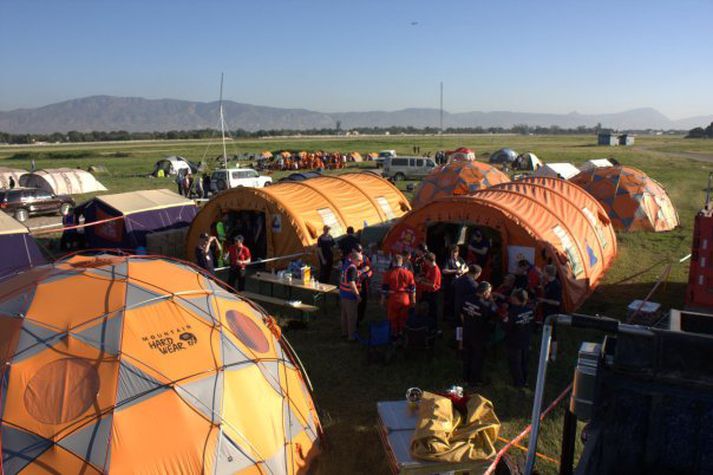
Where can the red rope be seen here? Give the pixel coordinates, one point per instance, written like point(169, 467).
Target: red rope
point(61, 227)
point(526, 431)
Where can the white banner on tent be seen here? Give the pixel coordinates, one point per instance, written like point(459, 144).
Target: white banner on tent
point(518, 253)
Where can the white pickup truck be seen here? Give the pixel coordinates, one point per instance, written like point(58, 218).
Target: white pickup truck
point(221, 180)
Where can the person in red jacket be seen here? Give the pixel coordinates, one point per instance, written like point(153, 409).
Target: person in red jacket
point(399, 294)
point(429, 283)
point(239, 259)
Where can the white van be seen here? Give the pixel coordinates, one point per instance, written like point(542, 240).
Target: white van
point(412, 168)
point(232, 178)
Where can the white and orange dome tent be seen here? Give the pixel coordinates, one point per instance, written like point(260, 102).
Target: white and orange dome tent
point(116, 364)
point(456, 178)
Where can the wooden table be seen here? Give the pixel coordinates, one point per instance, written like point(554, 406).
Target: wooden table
point(319, 291)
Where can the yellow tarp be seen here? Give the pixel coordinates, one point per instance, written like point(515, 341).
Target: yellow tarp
point(444, 435)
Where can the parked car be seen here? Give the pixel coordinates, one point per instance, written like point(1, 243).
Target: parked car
point(25, 202)
point(234, 177)
point(383, 155)
point(401, 168)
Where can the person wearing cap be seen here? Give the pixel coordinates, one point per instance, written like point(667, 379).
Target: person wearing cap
point(349, 294)
point(398, 292)
point(204, 253)
point(429, 284)
point(325, 253)
point(240, 257)
point(477, 317)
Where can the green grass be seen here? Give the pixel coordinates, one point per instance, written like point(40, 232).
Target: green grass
point(346, 390)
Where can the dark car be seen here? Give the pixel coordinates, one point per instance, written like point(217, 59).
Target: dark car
point(25, 202)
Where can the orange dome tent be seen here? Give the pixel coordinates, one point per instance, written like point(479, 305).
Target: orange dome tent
point(457, 178)
point(530, 220)
point(111, 367)
point(292, 213)
point(633, 200)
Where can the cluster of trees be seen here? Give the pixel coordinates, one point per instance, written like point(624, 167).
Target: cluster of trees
point(701, 133)
point(122, 135)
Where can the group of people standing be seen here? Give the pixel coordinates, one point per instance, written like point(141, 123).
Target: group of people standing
point(414, 286)
point(193, 187)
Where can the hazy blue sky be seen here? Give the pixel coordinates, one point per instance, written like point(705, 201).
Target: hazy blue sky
point(334, 55)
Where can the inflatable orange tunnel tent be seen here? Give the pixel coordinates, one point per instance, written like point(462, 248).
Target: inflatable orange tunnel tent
point(292, 214)
point(533, 221)
point(633, 200)
point(111, 367)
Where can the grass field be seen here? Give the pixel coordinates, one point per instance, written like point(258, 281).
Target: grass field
point(346, 390)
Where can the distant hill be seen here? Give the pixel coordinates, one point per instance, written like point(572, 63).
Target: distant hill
point(133, 114)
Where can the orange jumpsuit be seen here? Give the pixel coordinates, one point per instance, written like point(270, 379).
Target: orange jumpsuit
point(398, 286)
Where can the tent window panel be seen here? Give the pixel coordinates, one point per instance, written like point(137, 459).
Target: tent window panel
point(666, 212)
point(329, 219)
point(575, 263)
point(385, 207)
point(597, 227)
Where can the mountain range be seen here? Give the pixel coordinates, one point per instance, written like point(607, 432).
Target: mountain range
point(134, 114)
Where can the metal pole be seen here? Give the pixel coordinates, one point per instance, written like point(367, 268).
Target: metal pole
point(222, 124)
point(441, 127)
point(539, 393)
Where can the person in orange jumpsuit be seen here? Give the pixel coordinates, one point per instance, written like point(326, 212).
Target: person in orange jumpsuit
point(399, 294)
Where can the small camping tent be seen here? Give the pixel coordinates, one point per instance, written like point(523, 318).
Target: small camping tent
point(456, 178)
point(117, 364)
point(525, 220)
point(503, 156)
point(633, 201)
point(527, 161)
point(6, 173)
point(595, 163)
point(18, 249)
point(557, 170)
point(461, 154)
point(173, 165)
point(287, 218)
point(62, 181)
point(143, 212)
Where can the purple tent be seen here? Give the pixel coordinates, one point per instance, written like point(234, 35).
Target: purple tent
point(18, 249)
point(128, 217)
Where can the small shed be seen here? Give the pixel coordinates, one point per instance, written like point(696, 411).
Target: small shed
point(144, 212)
point(557, 170)
point(18, 249)
point(62, 181)
point(607, 138)
point(626, 139)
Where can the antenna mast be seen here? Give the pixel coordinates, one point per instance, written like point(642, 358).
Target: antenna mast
point(222, 124)
point(441, 107)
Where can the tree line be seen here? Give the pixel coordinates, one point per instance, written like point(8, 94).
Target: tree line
point(701, 133)
point(123, 135)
